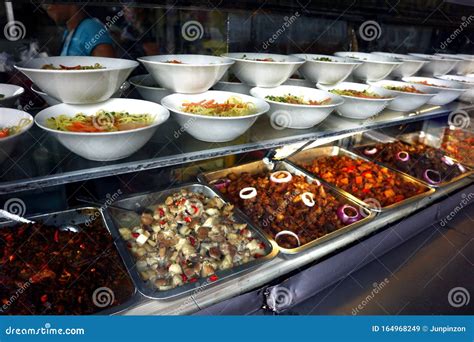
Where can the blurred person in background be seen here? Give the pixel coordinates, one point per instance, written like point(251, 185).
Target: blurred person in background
point(83, 36)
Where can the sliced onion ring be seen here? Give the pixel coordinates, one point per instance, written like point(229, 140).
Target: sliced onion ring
point(427, 177)
point(461, 168)
point(221, 183)
point(403, 156)
point(287, 232)
point(308, 199)
point(247, 193)
point(286, 179)
point(370, 151)
point(345, 217)
point(447, 160)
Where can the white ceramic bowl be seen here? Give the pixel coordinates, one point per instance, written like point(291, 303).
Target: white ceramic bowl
point(11, 93)
point(78, 86)
point(51, 101)
point(326, 72)
point(447, 91)
point(404, 101)
point(464, 81)
point(108, 145)
point(465, 65)
point(410, 64)
point(298, 82)
point(196, 73)
point(373, 67)
point(357, 107)
point(286, 115)
point(212, 128)
point(148, 89)
point(11, 117)
point(234, 87)
point(436, 65)
point(260, 73)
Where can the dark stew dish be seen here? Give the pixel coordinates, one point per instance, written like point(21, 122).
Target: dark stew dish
point(45, 271)
point(459, 144)
point(418, 160)
point(289, 208)
point(363, 179)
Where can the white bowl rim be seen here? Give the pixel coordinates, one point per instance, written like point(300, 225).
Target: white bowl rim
point(20, 88)
point(401, 56)
point(356, 97)
point(34, 88)
point(431, 86)
point(301, 60)
point(24, 129)
point(21, 65)
point(133, 81)
point(345, 62)
point(154, 124)
point(459, 77)
point(225, 61)
point(175, 110)
point(374, 83)
point(431, 58)
point(391, 62)
point(294, 105)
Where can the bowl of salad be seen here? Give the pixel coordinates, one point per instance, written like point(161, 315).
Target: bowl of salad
point(464, 81)
point(447, 91)
point(9, 93)
point(215, 116)
point(437, 65)
point(78, 79)
point(13, 123)
point(408, 96)
point(410, 64)
point(326, 69)
point(297, 107)
point(187, 74)
point(263, 69)
point(361, 101)
point(373, 68)
point(110, 130)
point(148, 88)
point(465, 65)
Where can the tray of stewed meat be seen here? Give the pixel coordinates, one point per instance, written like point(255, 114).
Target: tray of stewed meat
point(186, 239)
point(294, 210)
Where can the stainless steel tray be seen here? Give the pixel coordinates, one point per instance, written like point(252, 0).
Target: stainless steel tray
point(80, 216)
point(121, 218)
point(308, 156)
point(260, 166)
point(368, 140)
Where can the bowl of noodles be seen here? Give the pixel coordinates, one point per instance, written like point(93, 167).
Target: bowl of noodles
point(105, 131)
point(13, 123)
point(215, 116)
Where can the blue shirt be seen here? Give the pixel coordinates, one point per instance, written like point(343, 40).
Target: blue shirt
point(84, 38)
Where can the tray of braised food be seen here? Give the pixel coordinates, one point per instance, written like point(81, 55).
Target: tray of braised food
point(428, 164)
point(64, 263)
point(186, 238)
point(380, 188)
point(295, 210)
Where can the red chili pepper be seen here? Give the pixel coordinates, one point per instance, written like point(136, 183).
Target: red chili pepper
point(365, 173)
point(213, 277)
point(257, 255)
point(193, 280)
point(261, 245)
point(135, 235)
point(365, 191)
point(163, 222)
point(44, 298)
point(351, 168)
point(161, 212)
point(192, 241)
point(196, 209)
point(183, 276)
point(187, 219)
point(56, 236)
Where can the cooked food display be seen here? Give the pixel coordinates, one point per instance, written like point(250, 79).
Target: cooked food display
point(233, 106)
point(459, 144)
point(76, 67)
point(12, 130)
point(269, 59)
point(174, 61)
point(418, 160)
point(323, 59)
point(294, 99)
point(426, 83)
point(58, 272)
point(363, 179)
point(187, 237)
point(405, 89)
point(103, 121)
point(356, 93)
point(288, 207)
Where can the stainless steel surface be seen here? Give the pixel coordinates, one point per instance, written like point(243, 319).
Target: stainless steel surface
point(260, 167)
point(118, 218)
point(75, 217)
point(308, 156)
